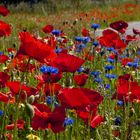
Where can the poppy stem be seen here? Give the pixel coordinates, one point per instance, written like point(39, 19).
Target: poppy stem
point(15, 132)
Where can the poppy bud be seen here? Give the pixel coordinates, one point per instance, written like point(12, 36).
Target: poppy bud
point(68, 81)
point(132, 111)
point(30, 110)
point(31, 99)
point(116, 133)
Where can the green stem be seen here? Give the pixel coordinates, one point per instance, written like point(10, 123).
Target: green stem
point(15, 132)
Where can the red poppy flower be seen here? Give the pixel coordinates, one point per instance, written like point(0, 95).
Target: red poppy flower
point(110, 33)
point(80, 79)
point(130, 38)
point(124, 61)
point(16, 86)
point(120, 26)
point(20, 125)
point(8, 136)
point(39, 121)
point(111, 38)
point(96, 120)
point(35, 48)
point(105, 41)
point(51, 41)
point(85, 32)
point(52, 78)
point(67, 62)
point(88, 56)
point(6, 98)
point(52, 89)
point(112, 56)
point(56, 119)
point(90, 114)
point(107, 38)
point(3, 58)
point(127, 90)
point(44, 118)
point(19, 60)
point(77, 98)
point(3, 79)
point(49, 89)
point(29, 68)
point(47, 29)
point(136, 31)
point(87, 112)
point(126, 77)
point(5, 29)
point(119, 44)
point(4, 11)
point(12, 50)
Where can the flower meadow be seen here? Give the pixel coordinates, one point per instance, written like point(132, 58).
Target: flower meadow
point(56, 87)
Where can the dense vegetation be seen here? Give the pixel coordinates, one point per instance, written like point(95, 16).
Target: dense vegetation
point(61, 80)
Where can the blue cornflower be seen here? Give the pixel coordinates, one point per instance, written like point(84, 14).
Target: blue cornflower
point(116, 52)
point(110, 76)
point(58, 50)
point(130, 64)
point(98, 80)
point(122, 56)
point(80, 69)
point(110, 60)
point(1, 53)
point(85, 39)
point(118, 121)
point(68, 121)
point(95, 26)
point(78, 38)
point(109, 67)
point(138, 52)
point(102, 53)
point(96, 43)
point(120, 103)
point(11, 55)
point(80, 47)
point(50, 99)
point(48, 69)
point(1, 113)
point(56, 32)
point(137, 60)
point(95, 73)
point(110, 49)
point(135, 65)
point(107, 86)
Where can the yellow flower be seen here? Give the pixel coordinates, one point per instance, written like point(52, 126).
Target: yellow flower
point(32, 137)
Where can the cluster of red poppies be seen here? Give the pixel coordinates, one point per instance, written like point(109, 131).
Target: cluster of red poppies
point(66, 84)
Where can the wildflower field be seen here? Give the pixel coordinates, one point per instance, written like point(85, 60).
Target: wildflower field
point(60, 80)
